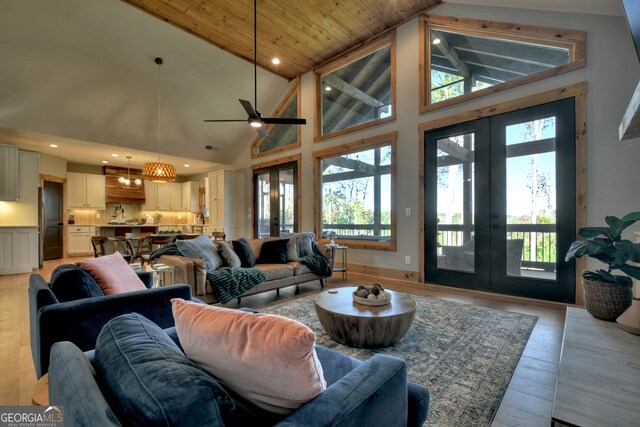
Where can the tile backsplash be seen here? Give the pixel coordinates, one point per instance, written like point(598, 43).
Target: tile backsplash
point(131, 211)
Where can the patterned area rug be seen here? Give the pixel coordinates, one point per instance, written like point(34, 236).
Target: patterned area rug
point(463, 354)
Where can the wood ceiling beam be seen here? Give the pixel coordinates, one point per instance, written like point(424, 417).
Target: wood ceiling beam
point(349, 89)
point(452, 56)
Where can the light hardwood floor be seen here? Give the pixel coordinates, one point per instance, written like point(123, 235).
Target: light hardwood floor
point(527, 402)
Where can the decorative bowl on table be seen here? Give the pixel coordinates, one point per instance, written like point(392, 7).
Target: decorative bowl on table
point(371, 295)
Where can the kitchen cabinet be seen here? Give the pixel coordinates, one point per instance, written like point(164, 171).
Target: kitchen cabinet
point(79, 240)
point(190, 193)
point(86, 191)
point(227, 203)
point(8, 173)
point(162, 196)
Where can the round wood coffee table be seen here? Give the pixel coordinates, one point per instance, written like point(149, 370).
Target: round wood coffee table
point(364, 326)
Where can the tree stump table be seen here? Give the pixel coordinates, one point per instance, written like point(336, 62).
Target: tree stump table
point(364, 326)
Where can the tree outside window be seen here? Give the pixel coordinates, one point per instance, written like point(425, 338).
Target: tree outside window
point(357, 194)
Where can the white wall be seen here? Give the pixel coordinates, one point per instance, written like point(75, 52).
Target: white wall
point(612, 72)
point(53, 166)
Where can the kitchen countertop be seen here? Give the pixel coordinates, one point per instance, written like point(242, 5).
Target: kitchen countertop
point(138, 225)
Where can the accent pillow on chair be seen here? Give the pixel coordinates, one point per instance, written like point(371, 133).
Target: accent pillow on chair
point(69, 283)
point(269, 360)
point(112, 273)
point(150, 381)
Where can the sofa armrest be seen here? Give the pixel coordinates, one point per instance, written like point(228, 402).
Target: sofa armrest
point(72, 384)
point(80, 321)
point(375, 393)
point(146, 277)
point(188, 270)
point(329, 252)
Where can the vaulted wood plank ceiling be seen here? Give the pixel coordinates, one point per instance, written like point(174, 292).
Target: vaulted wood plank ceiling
point(302, 34)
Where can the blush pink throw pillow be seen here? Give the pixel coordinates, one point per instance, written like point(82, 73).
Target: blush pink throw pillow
point(269, 360)
point(112, 273)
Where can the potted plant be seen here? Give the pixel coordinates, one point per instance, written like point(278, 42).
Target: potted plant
point(607, 295)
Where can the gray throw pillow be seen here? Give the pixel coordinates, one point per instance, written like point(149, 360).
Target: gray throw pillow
point(228, 255)
point(292, 249)
point(303, 242)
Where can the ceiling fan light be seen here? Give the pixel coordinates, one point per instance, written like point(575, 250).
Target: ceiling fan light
point(256, 123)
point(159, 172)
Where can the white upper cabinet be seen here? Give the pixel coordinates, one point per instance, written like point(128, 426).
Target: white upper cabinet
point(86, 191)
point(8, 173)
point(190, 193)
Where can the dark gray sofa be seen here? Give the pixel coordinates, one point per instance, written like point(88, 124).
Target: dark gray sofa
point(371, 393)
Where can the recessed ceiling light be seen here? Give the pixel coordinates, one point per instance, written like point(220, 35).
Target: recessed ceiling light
point(436, 41)
point(114, 155)
point(105, 162)
point(53, 145)
point(187, 165)
point(275, 61)
point(328, 88)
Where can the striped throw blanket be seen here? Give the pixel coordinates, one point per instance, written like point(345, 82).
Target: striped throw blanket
point(227, 283)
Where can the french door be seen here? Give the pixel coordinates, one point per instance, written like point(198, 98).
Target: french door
point(275, 190)
point(500, 203)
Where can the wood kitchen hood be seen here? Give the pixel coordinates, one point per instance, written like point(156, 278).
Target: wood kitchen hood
point(116, 193)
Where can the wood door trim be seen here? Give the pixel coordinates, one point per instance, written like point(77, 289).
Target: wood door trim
point(577, 91)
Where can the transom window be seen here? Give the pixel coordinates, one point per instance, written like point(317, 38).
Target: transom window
point(357, 90)
point(467, 58)
point(356, 194)
point(281, 137)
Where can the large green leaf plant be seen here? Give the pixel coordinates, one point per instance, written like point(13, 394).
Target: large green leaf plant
point(606, 245)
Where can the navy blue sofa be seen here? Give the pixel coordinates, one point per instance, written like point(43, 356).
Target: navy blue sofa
point(139, 375)
point(73, 308)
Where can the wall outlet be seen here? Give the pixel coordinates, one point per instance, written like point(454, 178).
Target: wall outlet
point(98, 215)
point(407, 260)
point(407, 211)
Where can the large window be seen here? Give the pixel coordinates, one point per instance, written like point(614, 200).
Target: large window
point(356, 193)
point(356, 90)
point(462, 58)
point(281, 137)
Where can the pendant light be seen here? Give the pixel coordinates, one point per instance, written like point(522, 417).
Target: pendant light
point(126, 182)
point(158, 171)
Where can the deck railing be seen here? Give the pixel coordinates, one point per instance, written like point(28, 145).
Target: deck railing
point(539, 252)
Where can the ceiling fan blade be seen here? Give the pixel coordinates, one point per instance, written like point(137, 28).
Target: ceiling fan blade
point(227, 120)
point(284, 121)
point(263, 132)
point(249, 109)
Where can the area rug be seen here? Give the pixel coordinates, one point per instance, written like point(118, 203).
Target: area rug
point(463, 354)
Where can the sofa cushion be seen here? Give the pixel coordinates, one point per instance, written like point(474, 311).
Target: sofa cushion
point(69, 283)
point(244, 252)
point(228, 255)
point(275, 271)
point(113, 274)
point(141, 368)
point(299, 269)
point(267, 359)
point(273, 252)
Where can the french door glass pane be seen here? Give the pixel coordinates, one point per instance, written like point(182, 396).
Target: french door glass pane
point(531, 199)
point(455, 202)
point(263, 189)
point(287, 201)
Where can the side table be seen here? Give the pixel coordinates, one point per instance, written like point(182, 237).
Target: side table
point(343, 267)
point(159, 270)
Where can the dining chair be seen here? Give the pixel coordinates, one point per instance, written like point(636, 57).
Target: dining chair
point(218, 235)
point(97, 242)
point(140, 242)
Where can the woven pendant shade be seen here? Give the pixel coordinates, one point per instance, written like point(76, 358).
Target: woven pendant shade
point(159, 172)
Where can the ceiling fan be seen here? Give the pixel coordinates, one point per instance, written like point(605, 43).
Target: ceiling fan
point(254, 118)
